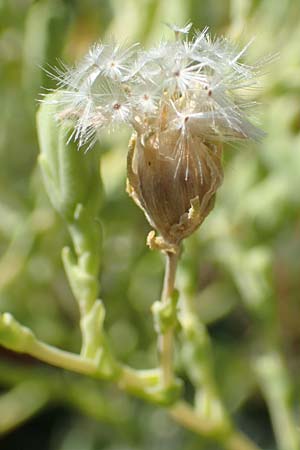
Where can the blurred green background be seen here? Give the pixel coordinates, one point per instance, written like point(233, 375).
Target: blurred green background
point(244, 259)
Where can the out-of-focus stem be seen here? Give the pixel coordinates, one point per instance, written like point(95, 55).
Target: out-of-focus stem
point(166, 339)
point(276, 388)
point(33, 380)
point(21, 403)
point(142, 383)
point(209, 417)
point(199, 364)
point(185, 415)
point(239, 441)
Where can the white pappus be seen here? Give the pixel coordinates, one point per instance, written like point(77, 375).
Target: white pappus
point(201, 82)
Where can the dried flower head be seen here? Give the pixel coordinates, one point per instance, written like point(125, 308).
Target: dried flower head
point(183, 99)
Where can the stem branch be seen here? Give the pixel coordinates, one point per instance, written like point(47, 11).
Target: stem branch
point(142, 383)
point(60, 358)
point(186, 416)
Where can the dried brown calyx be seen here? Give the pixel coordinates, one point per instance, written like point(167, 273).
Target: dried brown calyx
point(173, 176)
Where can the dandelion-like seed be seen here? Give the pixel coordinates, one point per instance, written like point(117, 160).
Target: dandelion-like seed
point(183, 99)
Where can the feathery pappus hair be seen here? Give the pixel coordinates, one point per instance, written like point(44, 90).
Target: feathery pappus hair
point(201, 81)
point(183, 99)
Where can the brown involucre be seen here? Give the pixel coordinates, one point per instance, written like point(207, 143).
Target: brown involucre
point(173, 177)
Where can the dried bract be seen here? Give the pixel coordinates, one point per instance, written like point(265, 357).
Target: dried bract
point(173, 176)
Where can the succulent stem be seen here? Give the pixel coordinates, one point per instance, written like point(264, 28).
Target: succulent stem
point(166, 338)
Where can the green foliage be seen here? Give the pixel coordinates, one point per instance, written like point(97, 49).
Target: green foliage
point(237, 344)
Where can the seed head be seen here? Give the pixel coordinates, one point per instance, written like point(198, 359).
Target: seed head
point(183, 99)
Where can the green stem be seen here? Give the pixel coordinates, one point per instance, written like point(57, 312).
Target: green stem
point(21, 403)
point(209, 416)
point(166, 338)
point(140, 383)
point(85, 395)
point(239, 441)
point(60, 358)
point(276, 388)
point(198, 356)
point(185, 415)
